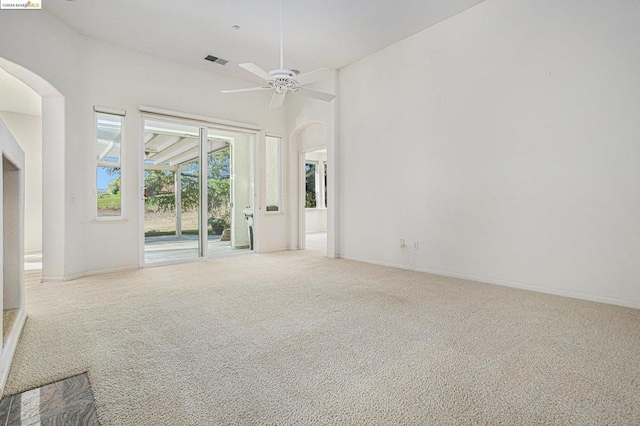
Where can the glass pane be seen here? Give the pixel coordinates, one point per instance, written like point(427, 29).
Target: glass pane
point(273, 180)
point(325, 184)
point(310, 186)
point(219, 191)
point(160, 192)
point(190, 196)
point(230, 191)
point(171, 176)
point(107, 152)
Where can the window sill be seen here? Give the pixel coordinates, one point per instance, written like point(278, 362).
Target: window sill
point(115, 219)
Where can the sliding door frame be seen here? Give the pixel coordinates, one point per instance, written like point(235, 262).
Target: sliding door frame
point(258, 136)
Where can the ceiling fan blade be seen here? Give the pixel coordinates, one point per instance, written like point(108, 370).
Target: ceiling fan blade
point(276, 100)
point(327, 97)
point(313, 76)
point(256, 70)
point(250, 89)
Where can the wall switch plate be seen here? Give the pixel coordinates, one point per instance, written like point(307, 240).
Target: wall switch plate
point(72, 200)
point(415, 245)
point(402, 243)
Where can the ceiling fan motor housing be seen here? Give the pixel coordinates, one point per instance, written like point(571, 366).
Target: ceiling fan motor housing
point(282, 73)
point(283, 81)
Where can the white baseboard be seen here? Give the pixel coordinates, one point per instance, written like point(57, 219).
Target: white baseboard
point(101, 271)
point(75, 276)
point(512, 284)
point(52, 279)
point(10, 347)
point(273, 250)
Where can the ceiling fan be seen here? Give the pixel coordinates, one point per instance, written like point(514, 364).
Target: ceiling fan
point(282, 80)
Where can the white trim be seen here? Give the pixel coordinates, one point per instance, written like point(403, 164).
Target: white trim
point(201, 119)
point(504, 283)
point(273, 135)
point(206, 123)
point(52, 279)
point(320, 187)
point(109, 110)
point(141, 187)
point(106, 219)
point(277, 249)
point(302, 210)
point(203, 193)
point(232, 252)
point(96, 163)
point(87, 274)
point(10, 346)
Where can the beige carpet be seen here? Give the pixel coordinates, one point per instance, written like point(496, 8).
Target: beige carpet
point(296, 338)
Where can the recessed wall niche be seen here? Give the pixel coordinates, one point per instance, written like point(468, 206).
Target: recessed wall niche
point(12, 248)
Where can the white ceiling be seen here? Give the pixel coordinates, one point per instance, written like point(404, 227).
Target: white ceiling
point(331, 33)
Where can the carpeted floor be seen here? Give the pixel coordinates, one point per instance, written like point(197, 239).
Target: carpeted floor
point(294, 337)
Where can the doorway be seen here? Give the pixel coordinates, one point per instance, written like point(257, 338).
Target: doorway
point(21, 112)
point(315, 199)
point(198, 191)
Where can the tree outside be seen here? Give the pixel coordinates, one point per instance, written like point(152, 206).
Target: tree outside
point(161, 195)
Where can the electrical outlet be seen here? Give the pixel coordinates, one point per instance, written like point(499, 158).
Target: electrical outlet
point(415, 245)
point(402, 243)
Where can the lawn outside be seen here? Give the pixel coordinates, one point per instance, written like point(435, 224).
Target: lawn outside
point(109, 205)
point(162, 222)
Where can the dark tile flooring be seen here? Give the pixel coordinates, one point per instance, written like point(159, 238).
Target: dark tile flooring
point(67, 402)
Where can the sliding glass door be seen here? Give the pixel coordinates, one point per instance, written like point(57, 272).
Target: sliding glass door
point(198, 190)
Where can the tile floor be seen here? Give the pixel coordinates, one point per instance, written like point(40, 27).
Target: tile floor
point(67, 402)
point(169, 248)
point(317, 241)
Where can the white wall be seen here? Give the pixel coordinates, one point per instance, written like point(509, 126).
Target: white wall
point(160, 83)
point(508, 136)
point(45, 54)
point(27, 129)
point(87, 73)
point(316, 220)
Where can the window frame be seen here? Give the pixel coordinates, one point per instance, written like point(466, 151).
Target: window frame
point(121, 113)
point(321, 201)
point(280, 174)
point(323, 188)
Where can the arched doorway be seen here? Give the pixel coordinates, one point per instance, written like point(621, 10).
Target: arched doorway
point(310, 145)
point(45, 175)
point(21, 112)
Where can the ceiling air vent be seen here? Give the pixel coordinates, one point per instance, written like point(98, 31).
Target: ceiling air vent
point(216, 60)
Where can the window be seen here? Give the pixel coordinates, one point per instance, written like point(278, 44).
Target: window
point(325, 183)
point(273, 149)
point(315, 184)
point(109, 131)
point(311, 191)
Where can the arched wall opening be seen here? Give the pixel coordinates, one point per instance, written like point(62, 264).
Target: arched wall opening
point(21, 112)
point(52, 169)
point(308, 137)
